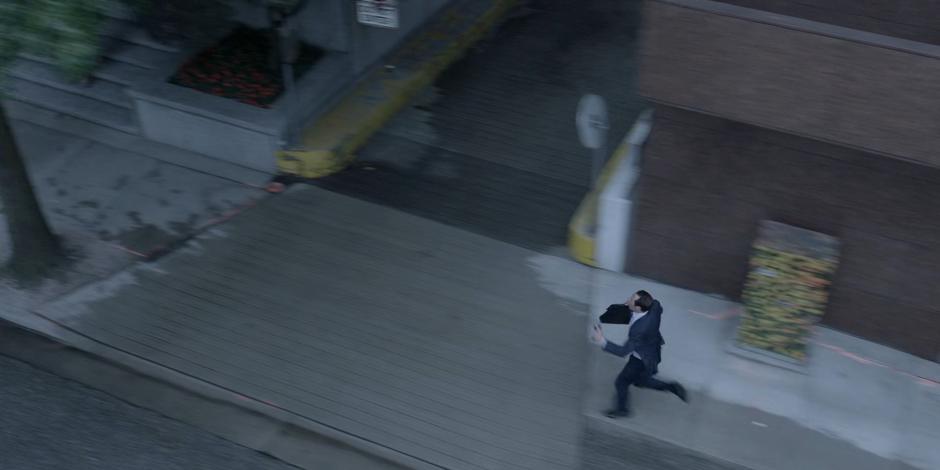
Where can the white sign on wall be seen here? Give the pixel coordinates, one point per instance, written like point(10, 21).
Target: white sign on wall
point(379, 13)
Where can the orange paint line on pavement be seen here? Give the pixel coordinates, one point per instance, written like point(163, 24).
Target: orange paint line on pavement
point(840, 351)
point(717, 316)
point(871, 362)
point(851, 355)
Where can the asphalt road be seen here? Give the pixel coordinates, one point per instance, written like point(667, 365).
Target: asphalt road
point(492, 147)
point(47, 422)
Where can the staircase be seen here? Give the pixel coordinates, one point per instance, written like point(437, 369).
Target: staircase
point(129, 56)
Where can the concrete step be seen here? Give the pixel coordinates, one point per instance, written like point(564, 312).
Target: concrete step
point(82, 107)
point(129, 57)
point(122, 50)
point(20, 111)
point(134, 49)
point(110, 70)
point(128, 30)
point(122, 72)
point(123, 23)
point(45, 74)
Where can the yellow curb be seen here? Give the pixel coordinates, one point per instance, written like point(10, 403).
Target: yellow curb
point(328, 146)
point(581, 240)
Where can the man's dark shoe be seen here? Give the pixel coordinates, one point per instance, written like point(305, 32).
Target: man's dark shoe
point(615, 413)
point(680, 392)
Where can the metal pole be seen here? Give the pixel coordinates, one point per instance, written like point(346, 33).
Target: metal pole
point(597, 163)
point(287, 75)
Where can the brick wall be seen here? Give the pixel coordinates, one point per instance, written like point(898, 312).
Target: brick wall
point(914, 20)
point(708, 181)
point(840, 90)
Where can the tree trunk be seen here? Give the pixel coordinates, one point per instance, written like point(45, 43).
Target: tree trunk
point(35, 248)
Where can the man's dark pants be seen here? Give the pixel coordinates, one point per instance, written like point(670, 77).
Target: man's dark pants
point(635, 373)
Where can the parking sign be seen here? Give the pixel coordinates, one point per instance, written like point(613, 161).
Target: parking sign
point(379, 13)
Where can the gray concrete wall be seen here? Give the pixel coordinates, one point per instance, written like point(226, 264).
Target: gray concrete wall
point(332, 24)
point(915, 20)
point(218, 127)
point(369, 43)
point(325, 23)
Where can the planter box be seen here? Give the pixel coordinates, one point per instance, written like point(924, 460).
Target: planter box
point(787, 289)
point(228, 130)
point(207, 124)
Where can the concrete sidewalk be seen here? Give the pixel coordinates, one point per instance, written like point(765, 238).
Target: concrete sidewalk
point(114, 198)
point(132, 193)
point(425, 344)
point(858, 405)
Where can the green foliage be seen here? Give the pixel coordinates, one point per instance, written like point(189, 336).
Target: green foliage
point(68, 32)
point(65, 31)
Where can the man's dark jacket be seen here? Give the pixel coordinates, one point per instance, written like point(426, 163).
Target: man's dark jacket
point(644, 337)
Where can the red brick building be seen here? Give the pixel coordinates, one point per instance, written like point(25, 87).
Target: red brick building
point(823, 115)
